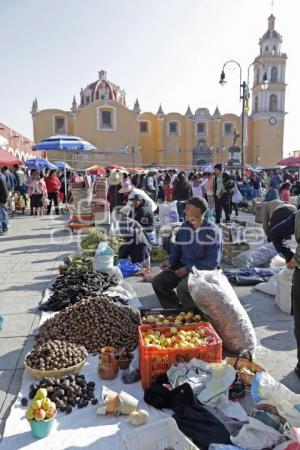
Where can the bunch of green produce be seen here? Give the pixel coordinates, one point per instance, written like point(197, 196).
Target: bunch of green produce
point(92, 240)
point(81, 262)
point(158, 254)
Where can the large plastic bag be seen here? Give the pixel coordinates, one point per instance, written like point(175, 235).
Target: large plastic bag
point(265, 387)
point(283, 297)
point(259, 257)
point(168, 213)
point(104, 258)
point(214, 295)
point(277, 262)
point(256, 435)
point(128, 268)
point(268, 287)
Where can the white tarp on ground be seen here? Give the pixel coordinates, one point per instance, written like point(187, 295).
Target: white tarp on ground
point(82, 428)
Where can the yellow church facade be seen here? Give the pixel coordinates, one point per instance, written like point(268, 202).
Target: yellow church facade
point(133, 138)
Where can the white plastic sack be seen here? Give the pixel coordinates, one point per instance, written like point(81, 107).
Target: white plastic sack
point(265, 387)
point(104, 258)
point(259, 257)
point(256, 436)
point(168, 213)
point(283, 297)
point(277, 261)
point(268, 287)
point(214, 295)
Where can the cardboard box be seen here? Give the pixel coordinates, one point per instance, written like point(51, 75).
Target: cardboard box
point(230, 251)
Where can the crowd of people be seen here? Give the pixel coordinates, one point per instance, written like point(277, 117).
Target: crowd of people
point(37, 189)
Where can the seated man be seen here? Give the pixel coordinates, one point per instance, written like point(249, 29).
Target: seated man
point(198, 244)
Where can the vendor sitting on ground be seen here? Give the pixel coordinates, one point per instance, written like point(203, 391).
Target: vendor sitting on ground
point(143, 214)
point(274, 211)
point(136, 244)
point(198, 244)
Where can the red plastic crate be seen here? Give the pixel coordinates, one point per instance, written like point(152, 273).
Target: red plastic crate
point(155, 361)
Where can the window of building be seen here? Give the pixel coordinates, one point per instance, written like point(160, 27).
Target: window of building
point(87, 99)
point(228, 128)
point(256, 104)
point(267, 49)
point(106, 119)
point(273, 103)
point(173, 128)
point(274, 49)
point(60, 125)
point(257, 76)
point(102, 97)
point(144, 127)
point(201, 128)
point(274, 74)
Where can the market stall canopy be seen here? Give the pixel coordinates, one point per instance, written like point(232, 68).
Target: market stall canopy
point(292, 161)
point(116, 166)
point(61, 165)
point(7, 159)
point(39, 164)
point(64, 143)
point(96, 170)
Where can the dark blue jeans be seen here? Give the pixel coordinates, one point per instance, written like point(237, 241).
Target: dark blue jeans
point(3, 218)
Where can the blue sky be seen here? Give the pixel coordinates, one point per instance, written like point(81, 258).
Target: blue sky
point(168, 51)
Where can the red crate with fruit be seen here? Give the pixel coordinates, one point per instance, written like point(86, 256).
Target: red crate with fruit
point(160, 347)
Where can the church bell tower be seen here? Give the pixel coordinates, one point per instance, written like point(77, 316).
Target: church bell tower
point(268, 101)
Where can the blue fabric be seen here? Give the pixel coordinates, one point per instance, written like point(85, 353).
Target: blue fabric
point(200, 248)
point(39, 164)
point(61, 165)
point(128, 268)
point(10, 180)
point(3, 218)
point(280, 233)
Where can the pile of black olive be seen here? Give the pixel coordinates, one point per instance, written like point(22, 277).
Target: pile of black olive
point(67, 392)
point(74, 285)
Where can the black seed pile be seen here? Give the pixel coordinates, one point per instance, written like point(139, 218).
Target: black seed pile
point(67, 392)
point(75, 285)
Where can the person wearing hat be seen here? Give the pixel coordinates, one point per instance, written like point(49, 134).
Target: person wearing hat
point(223, 185)
point(143, 214)
point(130, 191)
point(151, 184)
point(198, 244)
point(136, 245)
point(114, 196)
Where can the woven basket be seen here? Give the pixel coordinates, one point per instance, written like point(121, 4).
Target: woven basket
point(39, 374)
point(245, 361)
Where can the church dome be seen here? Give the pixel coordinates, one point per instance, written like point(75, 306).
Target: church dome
point(102, 89)
point(271, 40)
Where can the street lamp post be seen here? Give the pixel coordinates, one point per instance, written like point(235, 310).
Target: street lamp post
point(132, 153)
point(244, 95)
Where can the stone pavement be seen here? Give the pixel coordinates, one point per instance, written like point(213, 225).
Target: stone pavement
point(29, 260)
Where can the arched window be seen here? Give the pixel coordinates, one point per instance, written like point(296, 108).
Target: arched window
point(274, 74)
point(257, 76)
point(267, 49)
point(274, 49)
point(256, 104)
point(273, 105)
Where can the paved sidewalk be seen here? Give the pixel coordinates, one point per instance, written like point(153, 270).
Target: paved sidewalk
point(29, 261)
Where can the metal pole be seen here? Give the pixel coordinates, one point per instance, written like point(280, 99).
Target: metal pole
point(243, 87)
point(132, 151)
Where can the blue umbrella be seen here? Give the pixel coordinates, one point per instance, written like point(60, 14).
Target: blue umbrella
point(64, 143)
point(61, 165)
point(39, 164)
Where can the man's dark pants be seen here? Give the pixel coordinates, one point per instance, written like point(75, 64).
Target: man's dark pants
point(222, 202)
point(296, 309)
point(165, 283)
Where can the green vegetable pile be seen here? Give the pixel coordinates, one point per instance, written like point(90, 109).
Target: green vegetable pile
point(158, 254)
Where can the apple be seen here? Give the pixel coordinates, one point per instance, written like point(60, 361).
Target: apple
point(150, 331)
point(171, 318)
point(166, 322)
point(46, 403)
point(50, 413)
point(182, 314)
point(168, 334)
point(156, 333)
point(189, 314)
point(36, 404)
point(150, 319)
point(39, 414)
point(160, 317)
point(178, 323)
point(30, 413)
point(41, 393)
point(173, 330)
point(197, 318)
